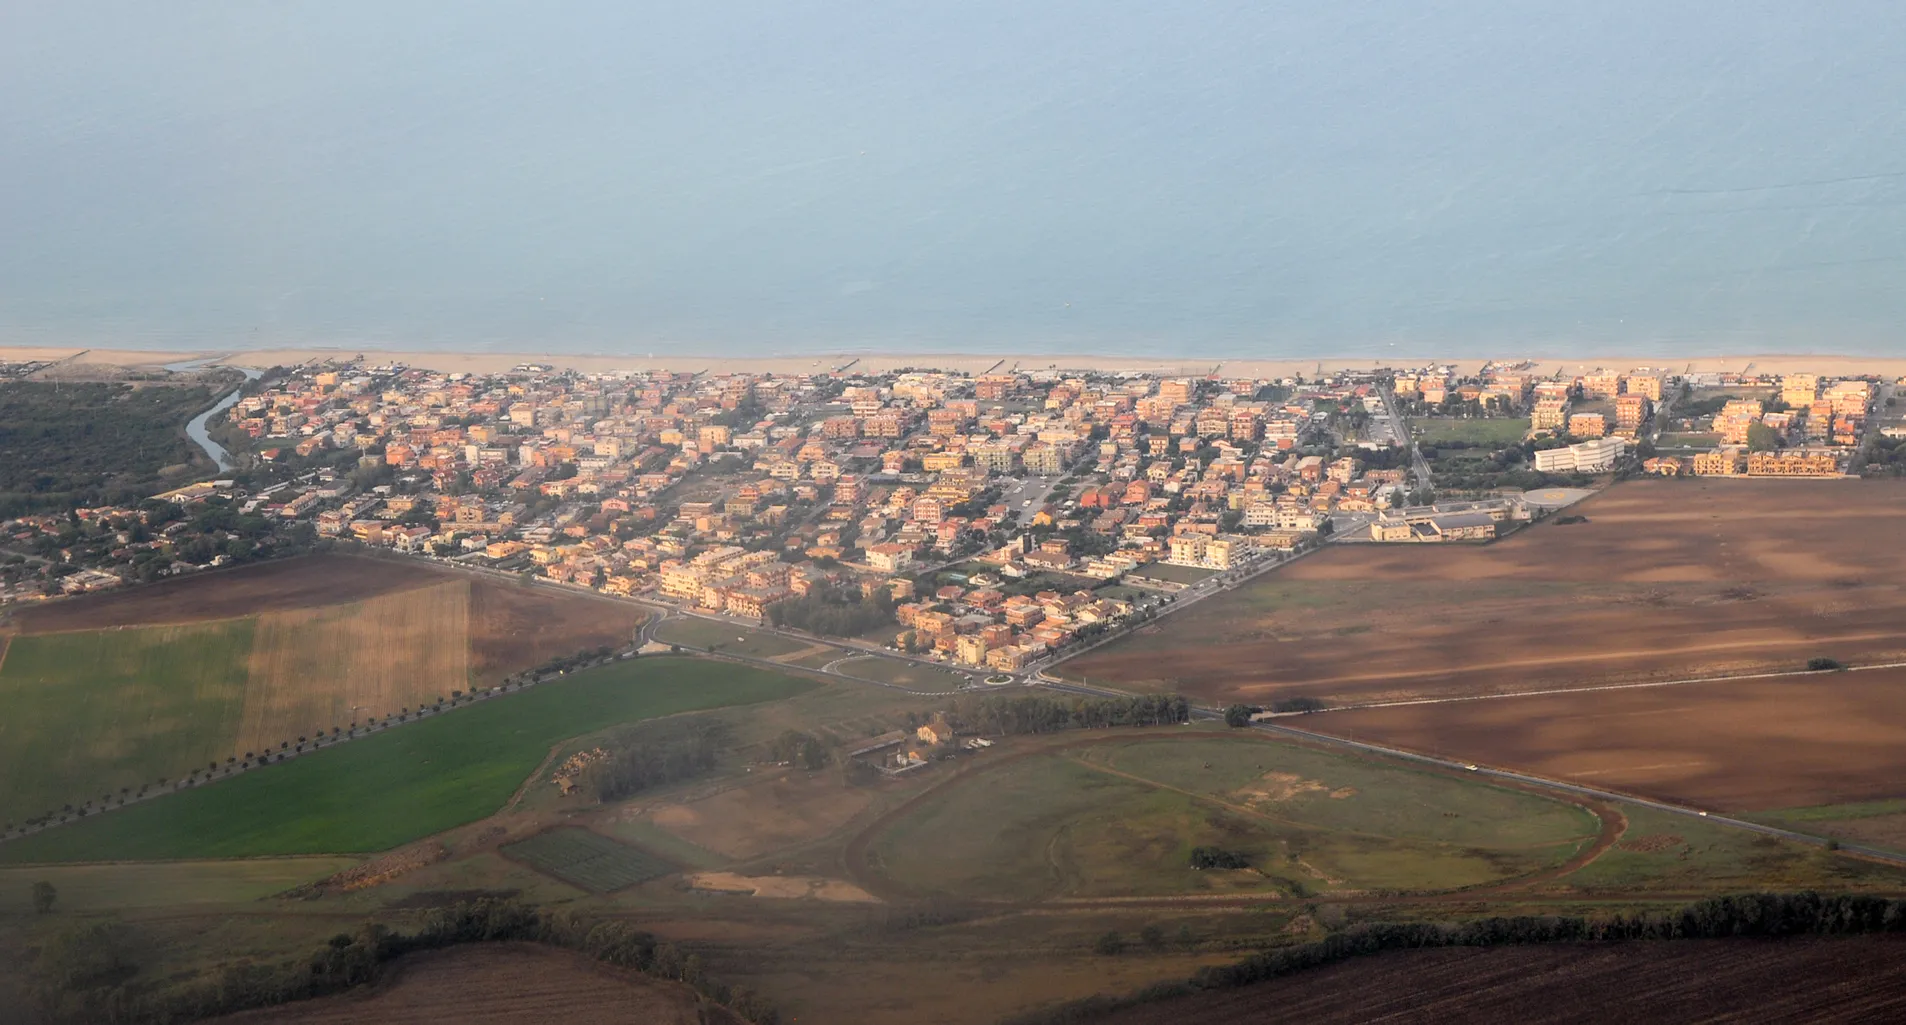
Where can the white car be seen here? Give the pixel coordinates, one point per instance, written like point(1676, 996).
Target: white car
point(1471, 768)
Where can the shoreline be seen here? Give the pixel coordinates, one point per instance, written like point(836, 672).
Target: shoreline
point(450, 361)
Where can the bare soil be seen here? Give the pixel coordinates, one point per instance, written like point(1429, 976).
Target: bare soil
point(500, 984)
point(1857, 979)
point(1731, 745)
point(313, 580)
point(515, 626)
point(1666, 580)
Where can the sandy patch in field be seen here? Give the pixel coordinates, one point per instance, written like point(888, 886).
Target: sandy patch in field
point(783, 887)
point(764, 815)
point(1278, 787)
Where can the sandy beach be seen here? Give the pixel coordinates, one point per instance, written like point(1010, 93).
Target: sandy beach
point(465, 362)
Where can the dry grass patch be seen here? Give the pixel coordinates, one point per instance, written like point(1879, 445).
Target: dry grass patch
point(314, 669)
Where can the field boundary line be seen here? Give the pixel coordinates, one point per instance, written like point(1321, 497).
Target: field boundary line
point(1549, 692)
point(536, 773)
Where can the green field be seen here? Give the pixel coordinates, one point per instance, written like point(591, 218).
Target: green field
point(420, 778)
point(90, 712)
point(1122, 818)
point(927, 679)
point(1664, 852)
point(1497, 431)
point(587, 860)
point(1173, 574)
point(726, 637)
point(95, 888)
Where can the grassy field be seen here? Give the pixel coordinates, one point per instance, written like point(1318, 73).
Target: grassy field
point(375, 793)
point(124, 688)
point(587, 860)
point(1173, 574)
point(85, 713)
point(1497, 431)
point(1662, 852)
point(1121, 818)
point(729, 638)
point(171, 884)
point(931, 679)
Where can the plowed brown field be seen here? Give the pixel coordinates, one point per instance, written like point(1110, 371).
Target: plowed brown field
point(1799, 980)
point(1732, 745)
point(228, 594)
point(1667, 579)
point(501, 984)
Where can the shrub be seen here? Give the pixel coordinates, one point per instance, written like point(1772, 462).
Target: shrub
point(1821, 664)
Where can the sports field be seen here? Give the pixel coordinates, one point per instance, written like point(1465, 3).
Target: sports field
point(1667, 579)
point(383, 790)
point(123, 689)
point(1119, 818)
point(1486, 431)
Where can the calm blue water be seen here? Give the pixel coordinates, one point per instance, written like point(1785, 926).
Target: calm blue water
point(776, 176)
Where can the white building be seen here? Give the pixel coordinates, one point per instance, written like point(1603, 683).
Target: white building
point(1594, 456)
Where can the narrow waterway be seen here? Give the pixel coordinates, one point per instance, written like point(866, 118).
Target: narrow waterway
point(195, 429)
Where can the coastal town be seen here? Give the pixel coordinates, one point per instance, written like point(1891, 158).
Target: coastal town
point(988, 520)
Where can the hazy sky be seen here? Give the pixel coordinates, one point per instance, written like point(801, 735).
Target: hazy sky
point(772, 176)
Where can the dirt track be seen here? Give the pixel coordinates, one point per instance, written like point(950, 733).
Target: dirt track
point(500, 984)
point(1798, 980)
point(1667, 579)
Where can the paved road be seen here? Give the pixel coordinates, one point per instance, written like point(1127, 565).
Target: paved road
point(1325, 739)
point(1402, 426)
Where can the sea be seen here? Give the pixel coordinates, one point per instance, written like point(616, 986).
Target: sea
point(1385, 178)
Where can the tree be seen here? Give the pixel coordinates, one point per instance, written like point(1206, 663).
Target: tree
point(1110, 944)
point(1237, 716)
point(1762, 438)
point(43, 897)
point(1152, 936)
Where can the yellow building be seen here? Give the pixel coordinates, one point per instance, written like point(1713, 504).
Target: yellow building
point(1645, 385)
point(1587, 425)
point(1719, 463)
point(1796, 463)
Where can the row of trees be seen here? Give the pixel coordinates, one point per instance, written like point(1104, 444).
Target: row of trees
point(1760, 914)
point(653, 755)
point(1033, 713)
point(81, 974)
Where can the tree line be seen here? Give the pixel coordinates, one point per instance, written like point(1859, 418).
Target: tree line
point(1746, 915)
point(82, 975)
point(1034, 713)
point(656, 755)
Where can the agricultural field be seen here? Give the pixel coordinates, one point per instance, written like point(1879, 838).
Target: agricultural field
point(1494, 432)
point(85, 714)
point(1734, 746)
point(374, 793)
point(1120, 818)
point(586, 860)
point(502, 984)
point(1667, 579)
point(126, 688)
point(1814, 980)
